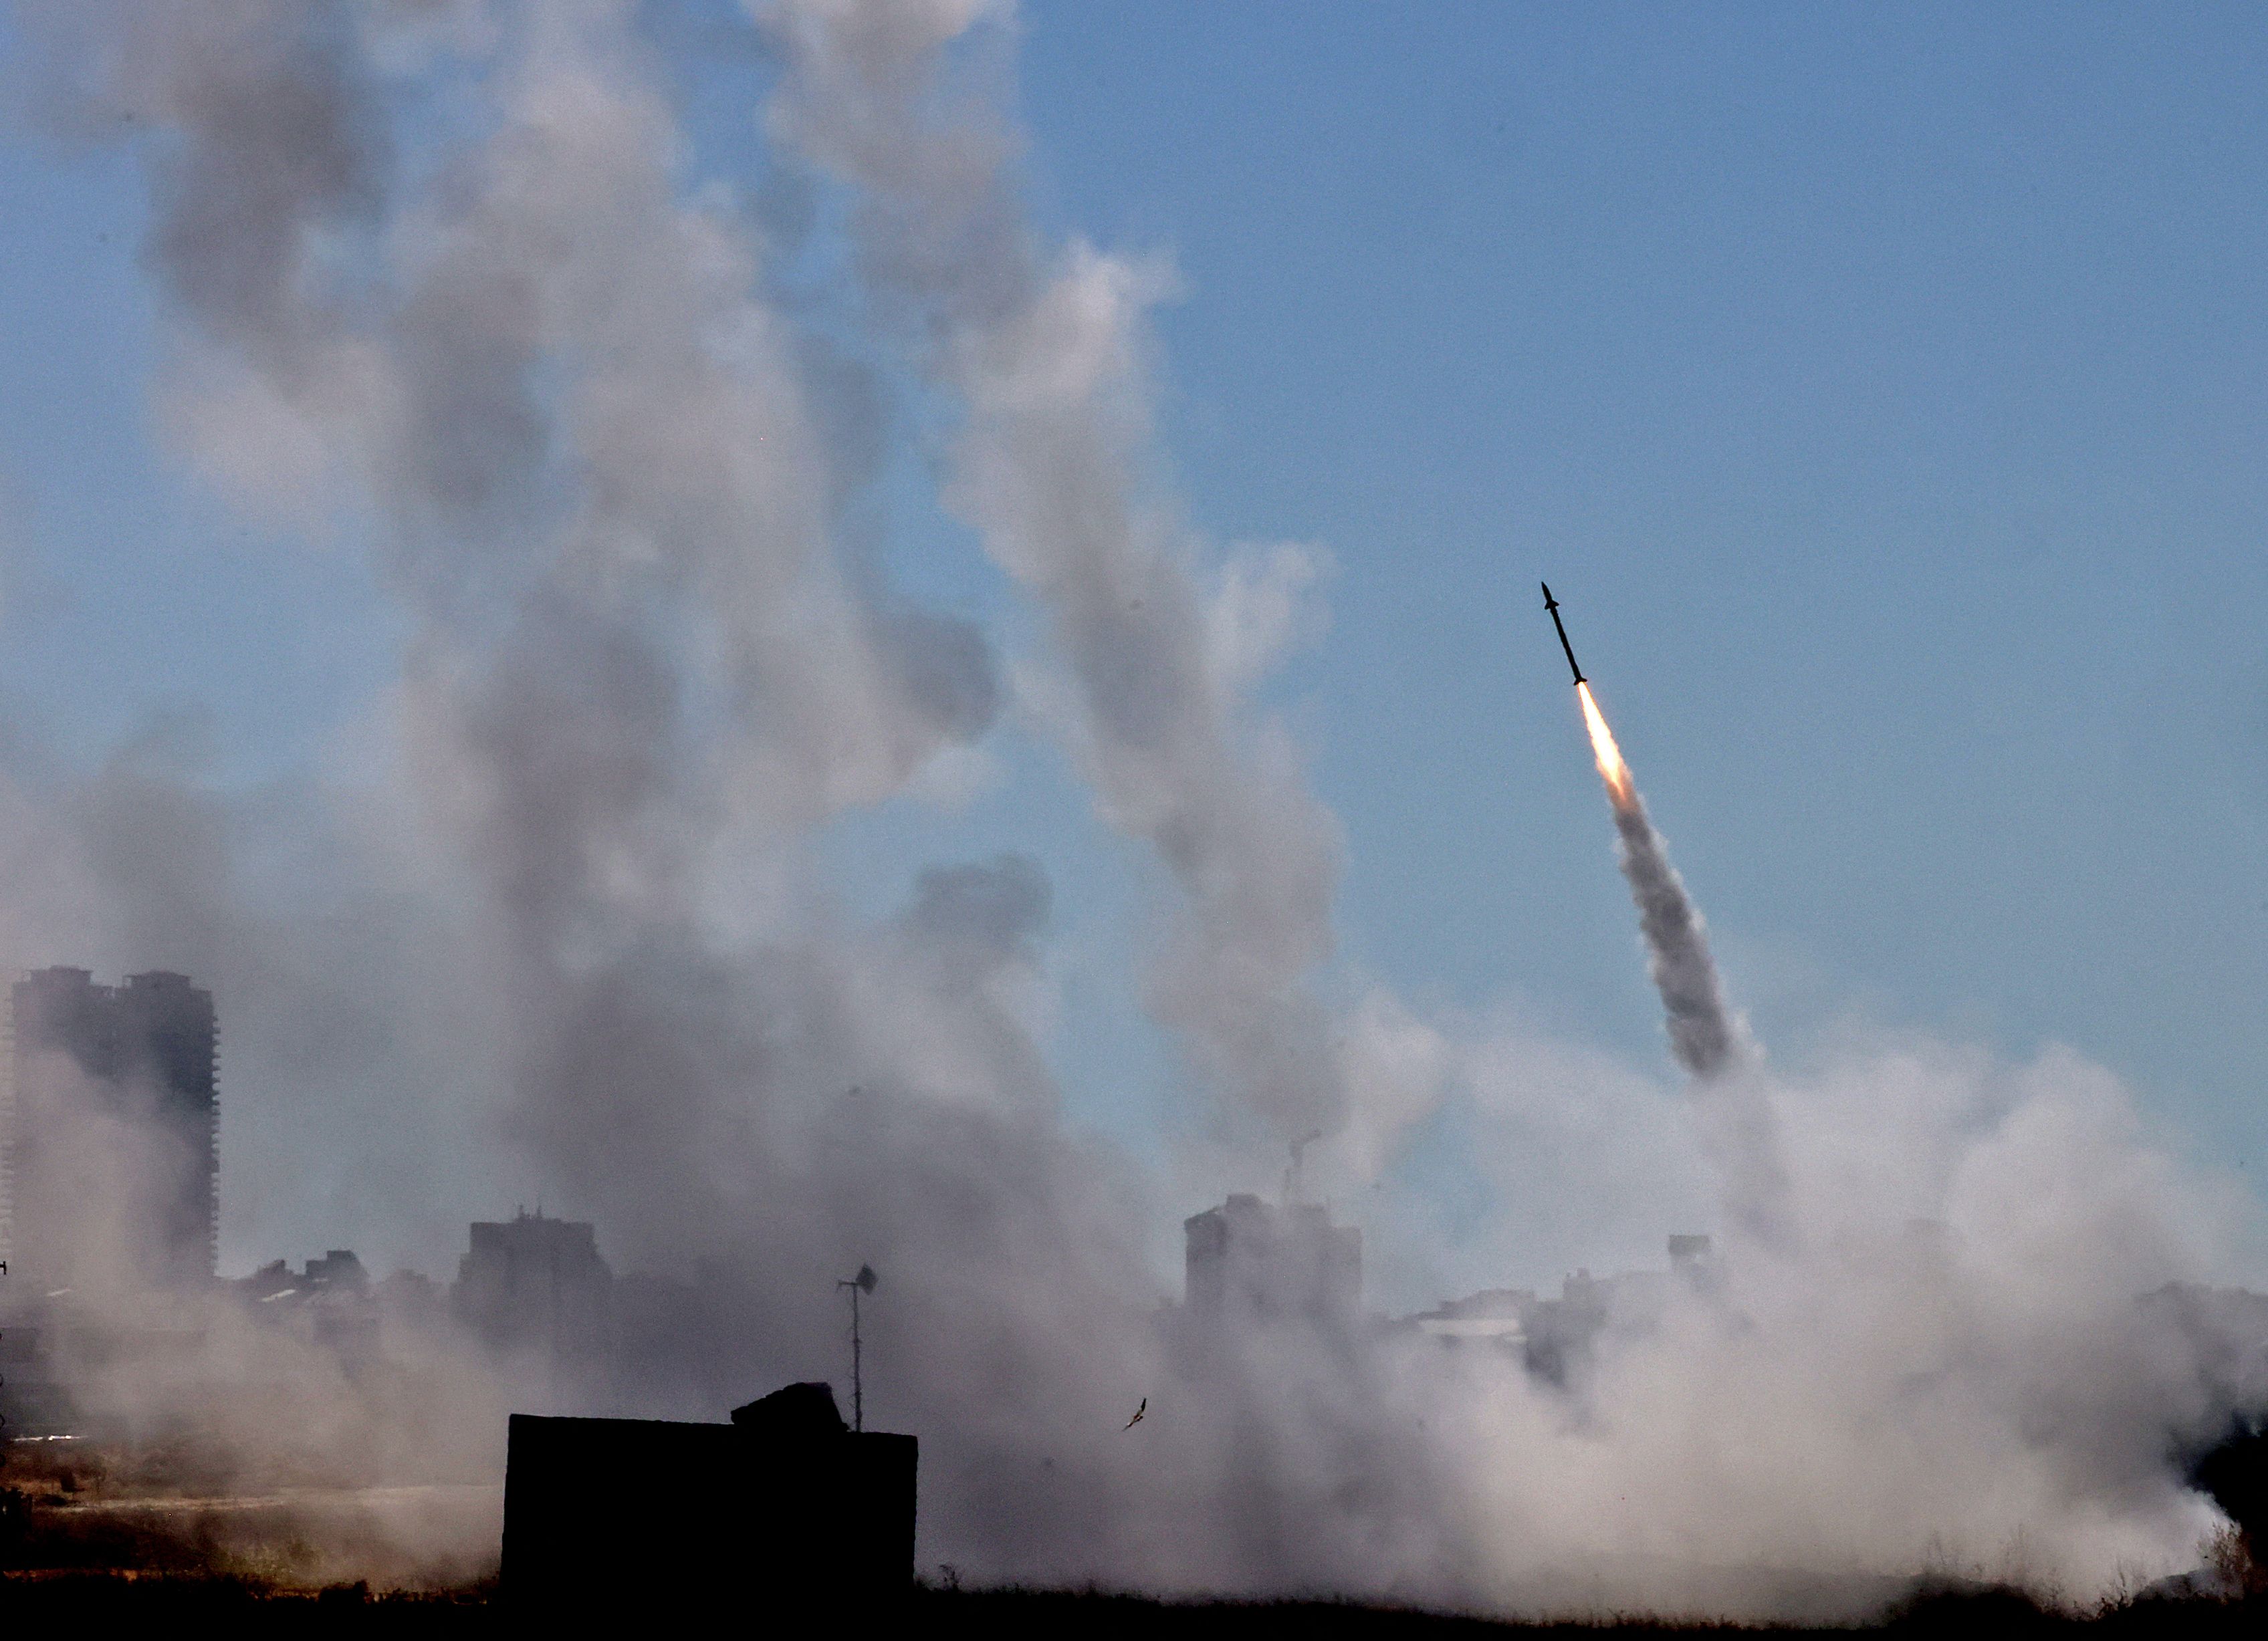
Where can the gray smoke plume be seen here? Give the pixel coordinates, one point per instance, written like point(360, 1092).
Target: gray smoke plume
point(1708, 1039)
point(1050, 465)
point(617, 487)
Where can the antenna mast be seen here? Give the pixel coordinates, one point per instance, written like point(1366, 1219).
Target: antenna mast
point(863, 1283)
point(1292, 1175)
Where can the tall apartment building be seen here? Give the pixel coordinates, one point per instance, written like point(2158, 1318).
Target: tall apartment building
point(110, 1146)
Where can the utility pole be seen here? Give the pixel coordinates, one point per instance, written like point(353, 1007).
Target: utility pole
point(863, 1283)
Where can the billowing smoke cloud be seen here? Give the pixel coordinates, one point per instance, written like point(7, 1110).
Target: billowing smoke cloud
point(1049, 465)
point(616, 487)
point(620, 472)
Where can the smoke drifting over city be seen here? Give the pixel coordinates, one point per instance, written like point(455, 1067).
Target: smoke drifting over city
point(561, 922)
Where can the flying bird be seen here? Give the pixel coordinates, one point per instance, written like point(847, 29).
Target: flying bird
point(1138, 1412)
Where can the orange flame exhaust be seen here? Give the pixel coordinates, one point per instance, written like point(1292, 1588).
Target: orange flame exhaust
point(1612, 769)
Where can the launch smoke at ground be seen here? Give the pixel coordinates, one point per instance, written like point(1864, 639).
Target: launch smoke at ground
point(1705, 1034)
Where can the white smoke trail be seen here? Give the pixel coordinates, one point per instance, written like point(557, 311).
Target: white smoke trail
point(1707, 1037)
point(1705, 1034)
point(1051, 460)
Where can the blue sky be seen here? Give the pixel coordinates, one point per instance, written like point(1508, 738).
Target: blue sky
point(1879, 388)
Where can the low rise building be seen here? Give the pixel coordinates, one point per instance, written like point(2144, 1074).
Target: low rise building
point(1556, 1337)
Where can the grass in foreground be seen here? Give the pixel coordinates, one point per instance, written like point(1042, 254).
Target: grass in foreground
point(80, 1598)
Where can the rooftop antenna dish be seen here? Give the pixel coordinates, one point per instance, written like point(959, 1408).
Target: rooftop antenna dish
point(863, 1283)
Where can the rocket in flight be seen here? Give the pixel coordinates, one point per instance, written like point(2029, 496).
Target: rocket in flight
point(1552, 604)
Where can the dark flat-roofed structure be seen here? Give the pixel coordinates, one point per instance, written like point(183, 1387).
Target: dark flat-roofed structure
point(783, 1504)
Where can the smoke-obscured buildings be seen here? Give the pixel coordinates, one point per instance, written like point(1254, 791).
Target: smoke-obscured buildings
point(1556, 1338)
point(536, 1288)
point(111, 1156)
point(329, 1301)
point(1249, 1261)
